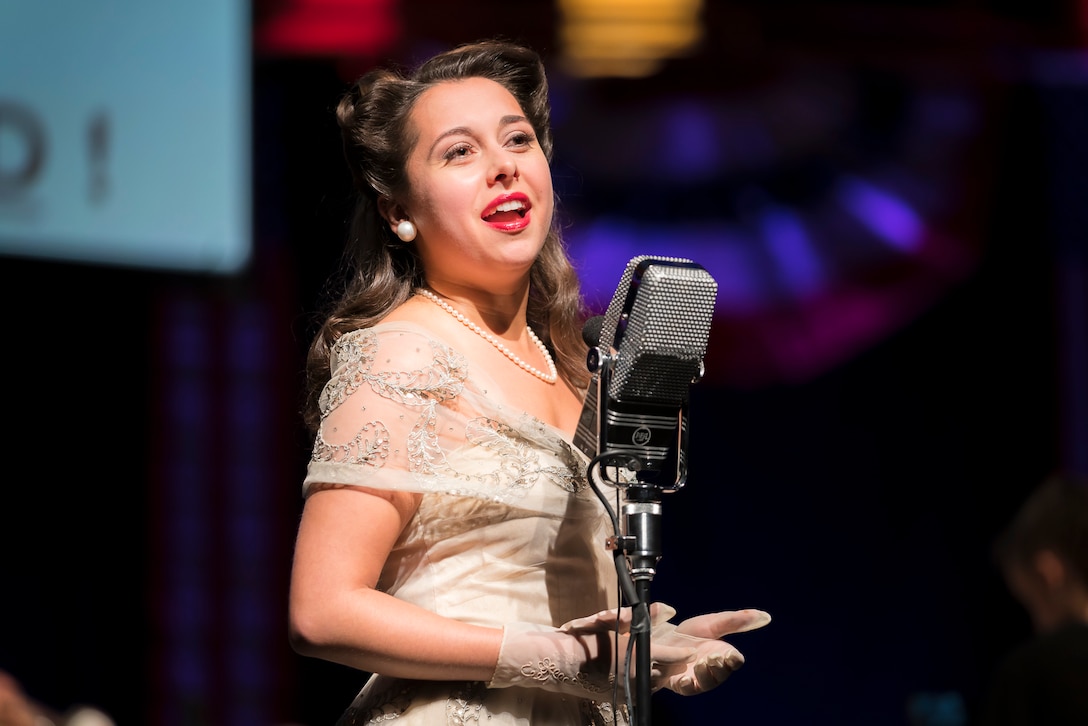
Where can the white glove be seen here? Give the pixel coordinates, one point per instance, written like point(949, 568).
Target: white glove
point(714, 659)
point(576, 658)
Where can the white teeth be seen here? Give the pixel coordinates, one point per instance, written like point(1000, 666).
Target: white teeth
point(510, 206)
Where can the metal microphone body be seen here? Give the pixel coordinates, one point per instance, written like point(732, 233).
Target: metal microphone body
point(650, 349)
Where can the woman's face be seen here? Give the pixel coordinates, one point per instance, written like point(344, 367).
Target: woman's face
point(480, 188)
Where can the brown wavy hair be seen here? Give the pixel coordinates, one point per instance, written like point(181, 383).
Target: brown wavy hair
point(377, 272)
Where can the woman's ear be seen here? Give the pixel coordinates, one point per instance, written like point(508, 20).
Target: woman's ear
point(396, 217)
point(392, 212)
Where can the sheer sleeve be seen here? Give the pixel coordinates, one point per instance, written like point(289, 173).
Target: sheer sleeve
point(401, 411)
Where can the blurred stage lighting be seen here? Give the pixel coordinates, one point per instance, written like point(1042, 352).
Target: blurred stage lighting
point(626, 38)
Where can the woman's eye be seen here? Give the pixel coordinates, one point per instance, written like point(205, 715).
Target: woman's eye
point(459, 151)
point(521, 139)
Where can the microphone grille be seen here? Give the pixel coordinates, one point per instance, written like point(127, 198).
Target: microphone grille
point(619, 298)
point(663, 331)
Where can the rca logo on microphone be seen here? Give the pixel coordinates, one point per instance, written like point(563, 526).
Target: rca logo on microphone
point(641, 436)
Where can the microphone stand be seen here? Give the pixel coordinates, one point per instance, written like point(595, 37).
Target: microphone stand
point(642, 518)
point(637, 552)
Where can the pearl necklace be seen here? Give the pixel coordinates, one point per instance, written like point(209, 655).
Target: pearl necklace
point(549, 377)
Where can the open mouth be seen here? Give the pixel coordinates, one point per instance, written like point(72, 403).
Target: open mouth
point(507, 212)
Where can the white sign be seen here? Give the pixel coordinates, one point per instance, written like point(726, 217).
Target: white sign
point(125, 132)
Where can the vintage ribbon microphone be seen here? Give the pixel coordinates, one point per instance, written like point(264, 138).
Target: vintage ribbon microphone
point(645, 352)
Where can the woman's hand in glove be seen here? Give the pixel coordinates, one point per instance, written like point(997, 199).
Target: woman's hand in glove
point(715, 660)
point(577, 658)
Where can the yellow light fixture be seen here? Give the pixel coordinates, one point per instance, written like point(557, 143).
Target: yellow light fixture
point(626, 38)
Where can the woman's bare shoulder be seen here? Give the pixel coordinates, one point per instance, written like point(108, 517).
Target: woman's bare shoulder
point(412, 310)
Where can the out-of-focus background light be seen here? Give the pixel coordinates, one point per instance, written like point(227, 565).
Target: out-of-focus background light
point(626, 38)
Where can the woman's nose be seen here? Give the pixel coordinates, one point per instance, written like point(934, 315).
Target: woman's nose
point(506, 167)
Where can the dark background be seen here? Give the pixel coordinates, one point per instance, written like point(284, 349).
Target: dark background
point(848, 479)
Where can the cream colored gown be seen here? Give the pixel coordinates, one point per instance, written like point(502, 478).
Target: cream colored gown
point(508, 528)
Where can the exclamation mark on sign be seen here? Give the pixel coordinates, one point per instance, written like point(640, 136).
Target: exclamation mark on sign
point(98, 148)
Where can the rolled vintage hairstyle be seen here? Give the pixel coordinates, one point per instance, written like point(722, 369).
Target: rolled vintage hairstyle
point(378, 272)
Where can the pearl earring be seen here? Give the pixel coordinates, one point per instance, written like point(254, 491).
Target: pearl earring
point(406, 231)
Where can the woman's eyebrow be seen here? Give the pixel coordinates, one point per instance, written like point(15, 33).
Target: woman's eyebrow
point(464, 130)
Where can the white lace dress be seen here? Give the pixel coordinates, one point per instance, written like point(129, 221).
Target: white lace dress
point(508, 528)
